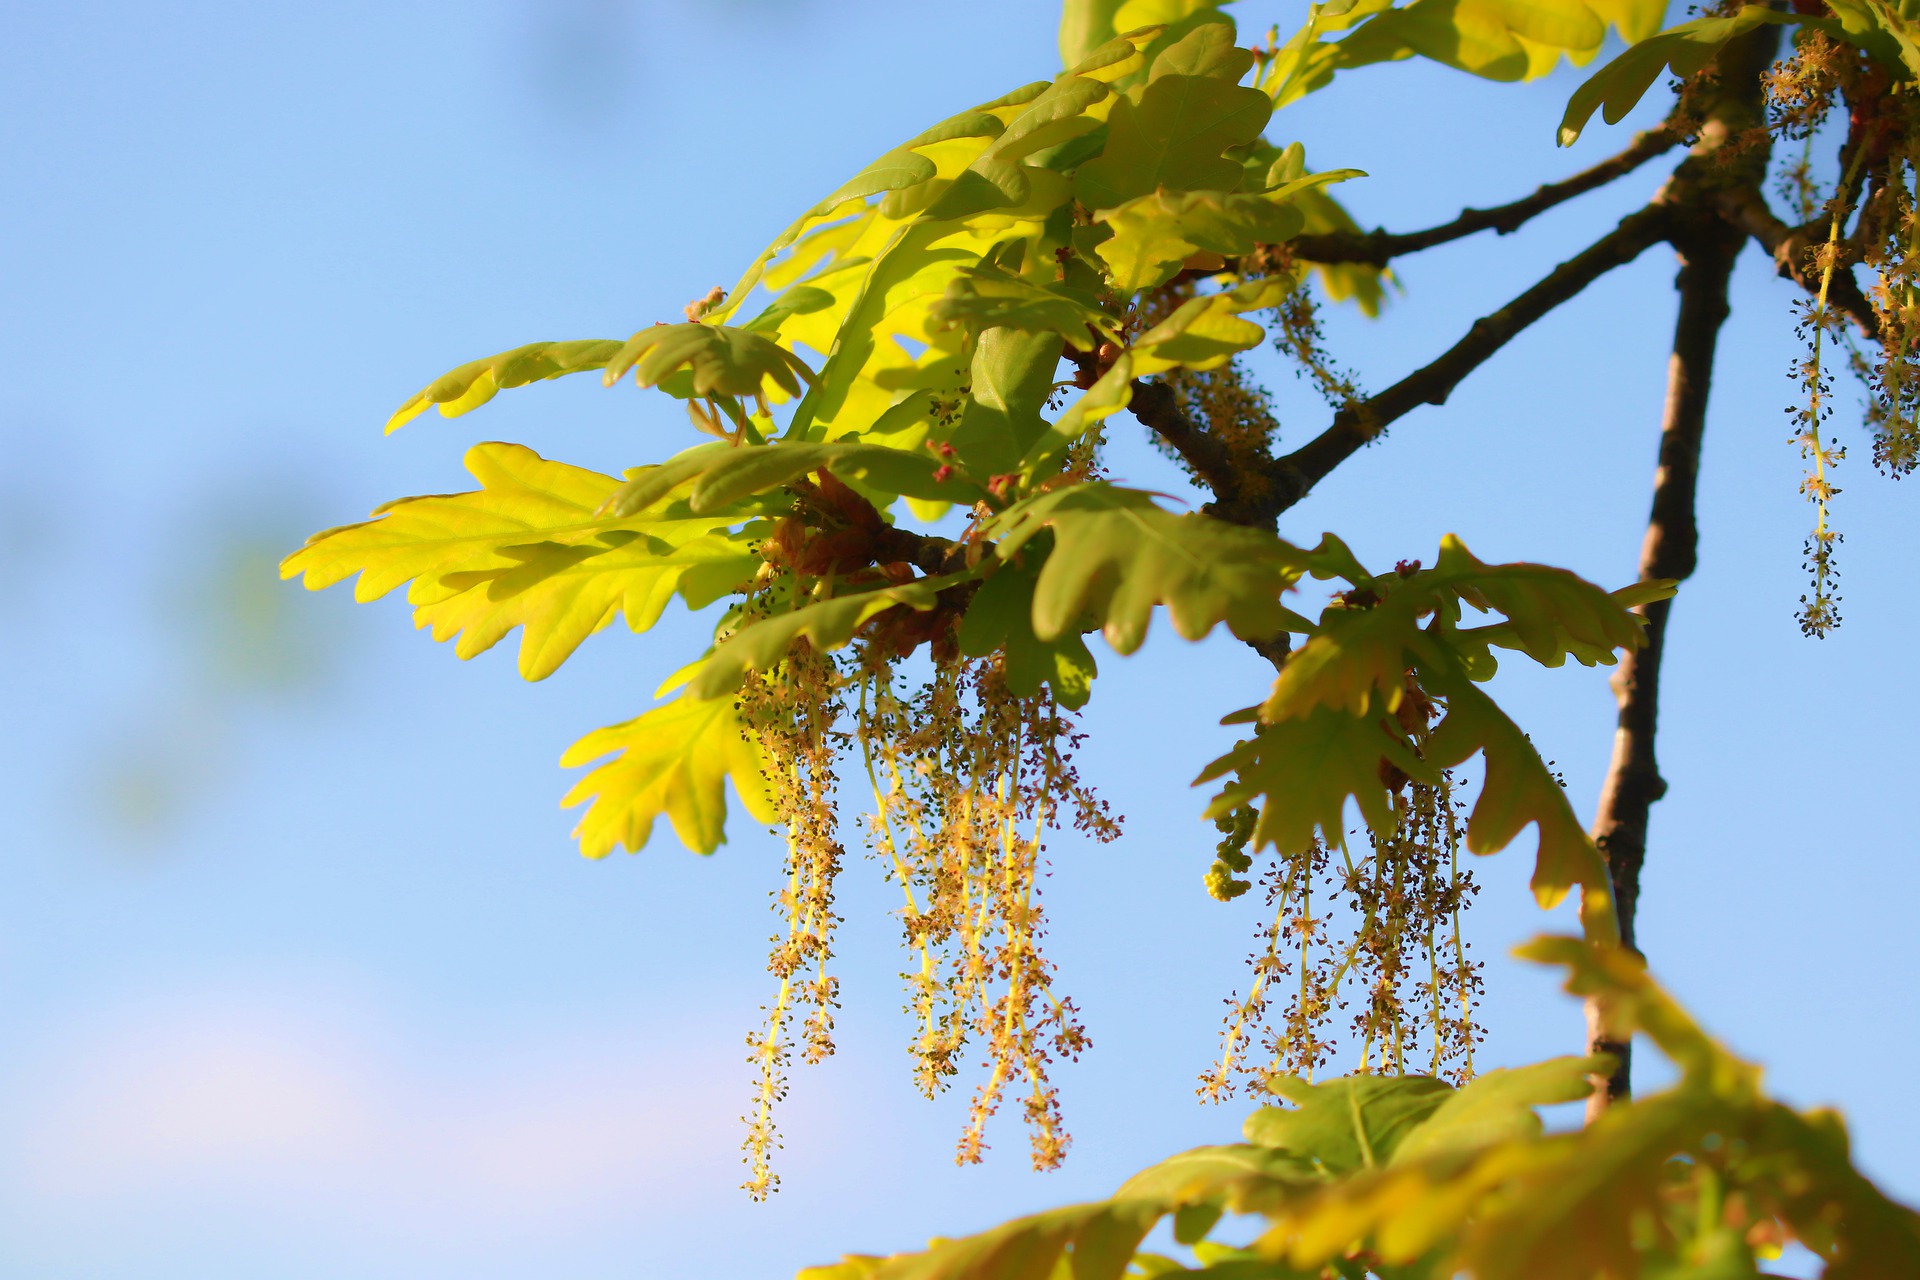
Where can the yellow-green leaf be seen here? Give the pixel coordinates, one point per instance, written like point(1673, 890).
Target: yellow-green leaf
point(1517, 792)
point(826, 624)
point(1173, 134)
point(1116, 555)
point(986, 297)
point(525, 549)
point(1208, 331)
point(1615, 88)
point(1307, 768)
point(674, 760)
point(1355, 1122)
point(475, 383)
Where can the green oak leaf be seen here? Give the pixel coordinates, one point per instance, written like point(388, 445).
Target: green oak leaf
point(674, 760)
point(719, 359)
point(1116, 555)
point(1175, 135)
point(1347, 1124)
point(475, 383)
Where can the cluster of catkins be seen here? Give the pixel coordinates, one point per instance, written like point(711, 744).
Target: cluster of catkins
point(1867, 218)
point(1397, 956)
point(967, 777)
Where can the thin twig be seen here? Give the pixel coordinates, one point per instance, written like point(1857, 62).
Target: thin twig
point(1158, 409)
point(1379, 247)
point(1354, 426)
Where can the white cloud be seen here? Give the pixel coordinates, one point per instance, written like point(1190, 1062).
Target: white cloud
point(302, 1110)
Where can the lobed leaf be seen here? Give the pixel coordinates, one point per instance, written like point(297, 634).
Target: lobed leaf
point(826, 624)
point(1615, 88)
point(1307, 768)
point(1356, 1122)
point(1174, 132)
point(1495, 39)
point(1498, 1106)
point(719, 360)
point(999, 618)
point(986, 297)
point(528, 550)
point(1206, 332)
point(1517, 792)
point(714, 477)
point(475, 383)
point(1116, 556)
point(674, 760)
point(1158, 234)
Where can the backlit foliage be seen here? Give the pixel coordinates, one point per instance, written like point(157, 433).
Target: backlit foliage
point(902, 524)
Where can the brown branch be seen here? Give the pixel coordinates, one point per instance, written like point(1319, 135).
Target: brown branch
point(1670, 550)
point(1378, 247)
point(1791, 249)
point(1294, 475)
point(1238, 489)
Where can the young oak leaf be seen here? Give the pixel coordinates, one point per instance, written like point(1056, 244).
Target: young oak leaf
point(999, 618)
point(675, 759)
point(1355, 661)
point(475, 383)
point(1552, 614)
point(986, 297)
point(1307, 768)
point(1499, 1106)
point(715, 477)
point(1356, 1122)
point(561, 593)
point(1208, 331)
point(1155, 235)
point(826, 624)
point(1116, 555)
point(1173, 133)
point(1615, 88)
point(716, 359)
point(1518, 792)
point(1494, 39)
point(526, 547)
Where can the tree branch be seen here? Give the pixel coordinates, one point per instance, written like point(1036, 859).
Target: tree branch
point(1670, 550)
point(1790, 247)
point(1158, 409)
point(1378, 247)
point(1295, 474)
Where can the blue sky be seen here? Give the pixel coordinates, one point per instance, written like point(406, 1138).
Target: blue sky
point(299, 973)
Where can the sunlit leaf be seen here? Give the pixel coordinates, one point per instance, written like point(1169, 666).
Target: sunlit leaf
point(1306, 768)
point(826, 624)
point(674, 760)
point(714, 477)
point(1174, 135)
point(1615, 88)
point(985, 297)
point(721, 360)
point(1499, 1106)
point(526, 549)
point(1351, 1123)
point(1116, 555)
point(473, 384)
point(999, 618)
